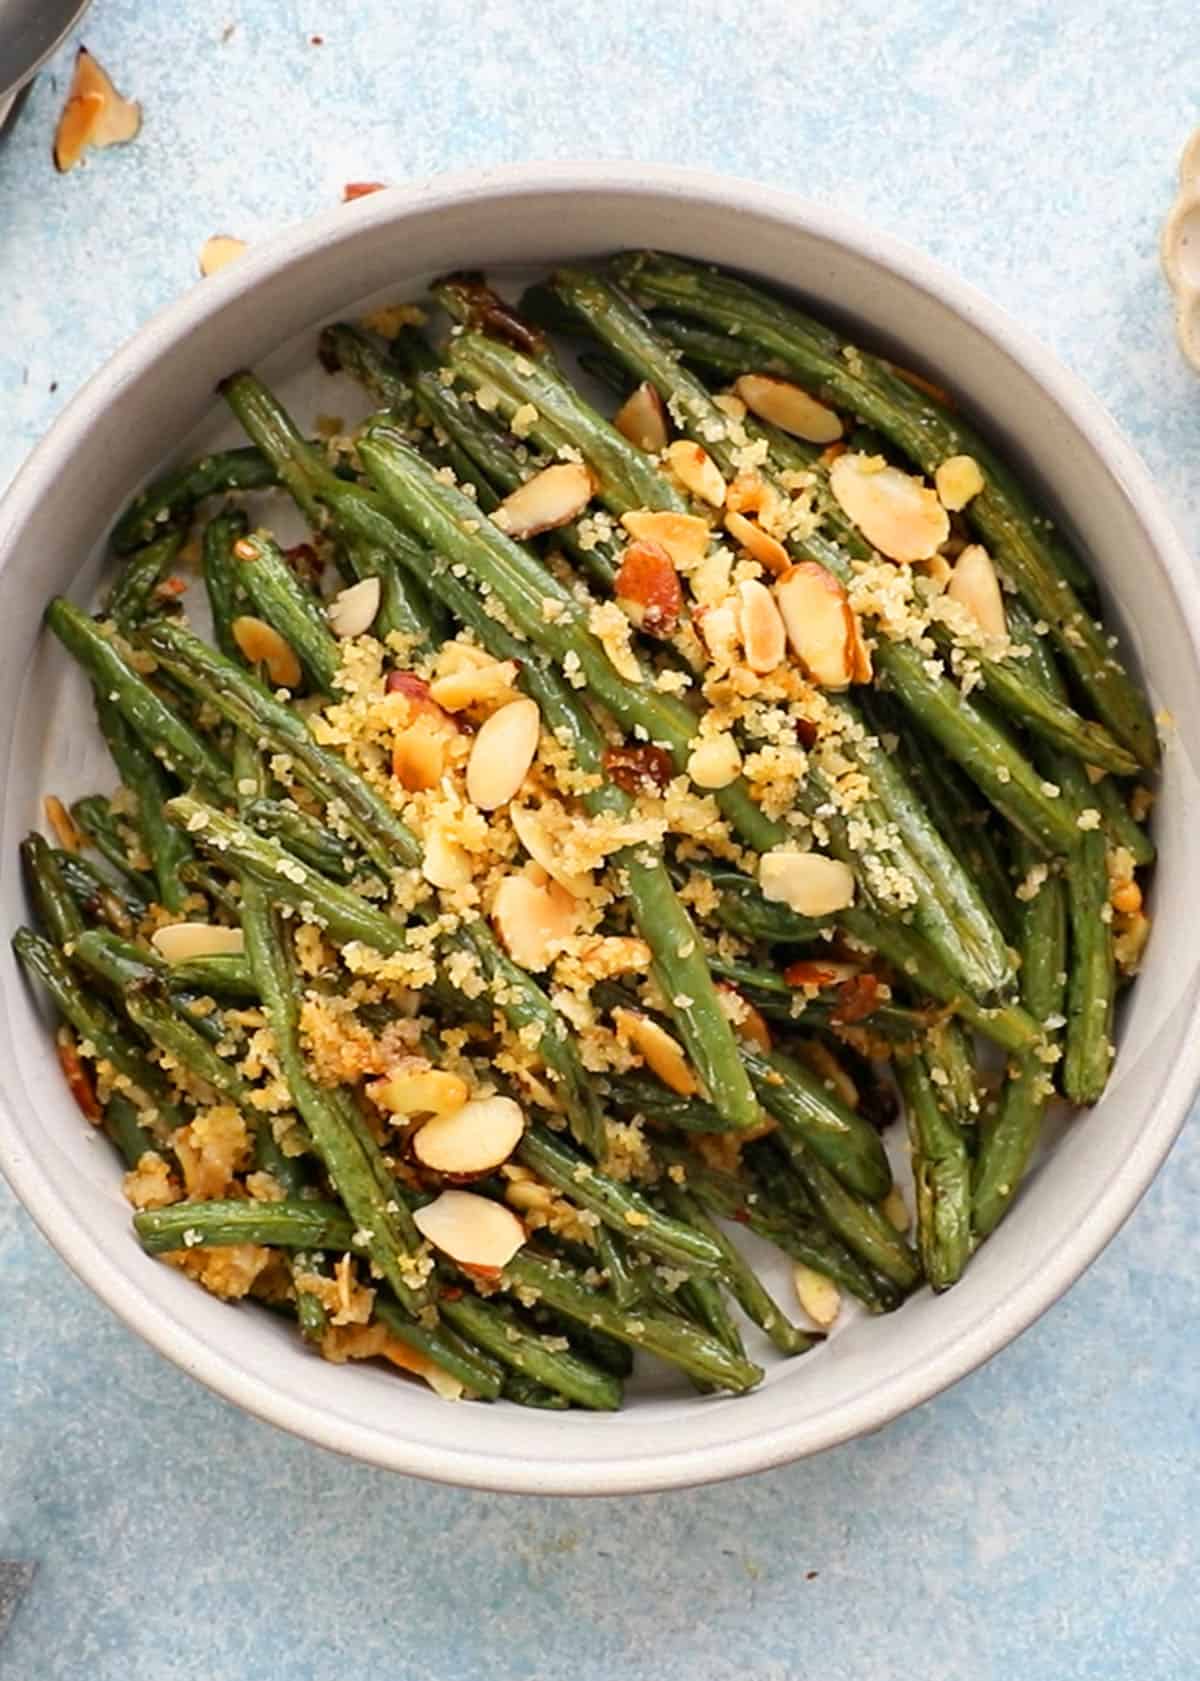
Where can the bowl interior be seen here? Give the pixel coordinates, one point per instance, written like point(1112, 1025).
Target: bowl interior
point(156, 403)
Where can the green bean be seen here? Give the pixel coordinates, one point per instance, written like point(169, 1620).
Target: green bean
point(57, 910)
point(941, 1176)
point(617, 1268)
point(132, 595)
point(174, 496)
point(703, 1302)
point(222, 581)
point(295, 1223)
point(499, 1329)
point(635, 1094)
point(848, 1145)
point(312, 843)
point(94, 815)
point(167, 736)
point(618, 1205)
point(1121, 826)
point(278, 597)
point(693, 1350)
point(98, 898)
point(474, 1368)
point(222, 974)
point(525, 1392)
point(140, 771)
point(123, 1125)
point(859, 1224)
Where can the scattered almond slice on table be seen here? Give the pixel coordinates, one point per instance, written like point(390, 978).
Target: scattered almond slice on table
point(642, 419)
point(95, 114)
point(481, 1235)
point(896, 513)
point(182, 941)
point(787, 406)
point(551, 498)
point(470, 1141)
point(218, 252)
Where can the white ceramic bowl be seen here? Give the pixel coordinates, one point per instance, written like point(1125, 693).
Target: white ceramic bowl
point(156, 399)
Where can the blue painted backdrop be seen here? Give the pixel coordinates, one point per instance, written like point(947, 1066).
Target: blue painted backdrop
point(1040, 1520)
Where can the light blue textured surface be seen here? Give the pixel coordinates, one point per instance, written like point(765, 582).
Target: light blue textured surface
point(1040, 1520)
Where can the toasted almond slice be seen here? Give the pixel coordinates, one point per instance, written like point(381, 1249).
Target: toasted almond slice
point(718, 629)
point(684, 536)
point(95, 114)
point(730, 405)
point(958, 479)
point(474, 1231)
point(182, 941)
point(819, 971)
point(352, 611)
point(974, 585)
point(819, 622)
point(262, 644)
point(502, 753)
point(807, 882)
point(767, 550)
point(696, 471)
point(414, 1088)
point(472, 1140)
point(895, 1210)
point(764, 638)
point(551, 498)
point(896, 513)
point(490, 684)
point(66, 830)
point(714, 761)
point(533, 832)
point(219, 251)
point(533, 919)
point(785, 405)
point(818, 1296)
point(750, 493)
point(643, 420)
point(747, 1022)
point(445, 863)
point(660, 1052)
point(419, 755)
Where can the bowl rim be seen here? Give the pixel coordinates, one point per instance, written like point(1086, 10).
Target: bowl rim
point(1016, 1310)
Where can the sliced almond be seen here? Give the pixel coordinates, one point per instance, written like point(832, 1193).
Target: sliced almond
point(958, 479)
point(807, 882)
point(95, 114)
point(785, 405)
point(764, 638)
point(767, 550)
point(697, 472)
point(685, 537)
point(974, 585)
point(472, 1140)
point(551, 498)
point(534, 834)
point(895, 1210)
point(219, 251)
point(490, 684)
point(414, 1088)
point(661, 1054)
point(747, 1022)
point(445, 863)
point(502, 753)
point(182, 941)
point(897, 514)
point(478, 1233)
point(715, 761)
point(750, 493)
point(419, 755)
point(647, 586)
point(533, 919)
point(66, 830)
point(818, 1296)
point(261, 644)
point(643, 420)
point(820, 623)
point(352, 611)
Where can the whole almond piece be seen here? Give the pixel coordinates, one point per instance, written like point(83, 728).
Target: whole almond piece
point(764, 638)
point(478, 1233)
point(551, 498)
point(807, 882)
point(261, 644)
point(182, 941)
point(785, 405)
point(502, 753)
point(819, 622)
point(470, 1141)
point(697, 472)
point(643, 420)
point(974, 585)
point(352, 611)
point(896, 513)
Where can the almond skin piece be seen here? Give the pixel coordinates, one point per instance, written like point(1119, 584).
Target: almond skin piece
point(974, 585)
point(472, 1140)
point(820, 623)
point(697, 472)
point(807, 882)
point(643, 420)
point(473, 1230)
point(785, 405)
point(648, 586)
point(502, 753)
point(897, 514)
point(551, 498)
